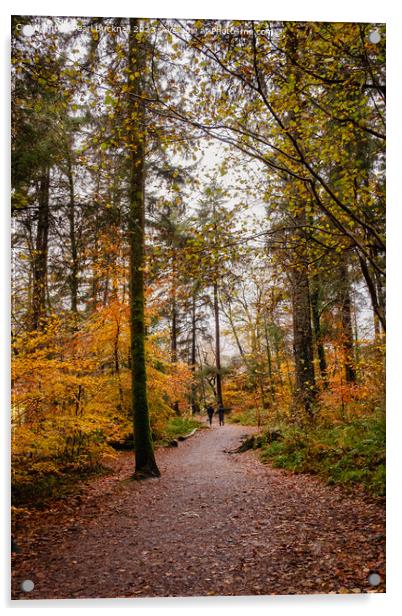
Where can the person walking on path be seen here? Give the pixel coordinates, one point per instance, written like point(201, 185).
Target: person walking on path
point(221, 413)
point(210, 412)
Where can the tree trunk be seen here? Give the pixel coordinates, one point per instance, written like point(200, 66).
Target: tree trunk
point(380, 288)
point(194, 404)
point(304, 391)
point(219, 399)
point(346, 321)
point(175, 404)
point(73, 278)
point(203, 393)
point(145, 464)
point(373, 292)
point(39, 273)
point(315, 311)
point(94, 298)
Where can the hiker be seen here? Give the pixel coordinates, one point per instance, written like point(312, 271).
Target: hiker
point(221, 413)
point(210, 413)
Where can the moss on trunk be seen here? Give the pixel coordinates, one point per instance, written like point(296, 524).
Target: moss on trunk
point(145, 464)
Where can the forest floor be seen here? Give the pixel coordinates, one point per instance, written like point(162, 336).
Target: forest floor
point(214, 524)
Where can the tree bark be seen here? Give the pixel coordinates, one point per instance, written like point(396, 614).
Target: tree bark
point(316, 318)
point(73, 278)
point(175, 404)
point(204, 397)
point(373, 292)
point(346, 322)
point(39, 273)
point(194, 404)
point(219, 399)
point(145, 464)
point(305, 391)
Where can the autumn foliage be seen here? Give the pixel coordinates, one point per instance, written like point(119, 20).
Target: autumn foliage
point(72, 393)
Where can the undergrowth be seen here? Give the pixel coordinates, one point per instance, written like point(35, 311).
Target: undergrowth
point(56, 481)
point(179, 426)
point(350, 453)
point(248, 417)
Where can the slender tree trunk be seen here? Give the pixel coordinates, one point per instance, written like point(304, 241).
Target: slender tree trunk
point(73, 278)
point(145, 464)
point(95, 279)
point(95, 257)
point(380, 288)
point(203, 393)
point(346, 321)
point(219, 399)
point(229, 316)
point(356, 335)
point(305, 390)
point(39, 273)
point(315, 311)
point(373, 292)
point(173, 356)
point(106, 289)
point(194, 405)
point(173, 342)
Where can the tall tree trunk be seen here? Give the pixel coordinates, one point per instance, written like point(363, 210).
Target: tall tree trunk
point(173, 333)
point(219, 399)
point(305, 390)
point(94, 298)
point(315, 311)
point(173, 341)
point(346, 321)
point(39, 273)
point(203, 393)
point(73, 278)
point(380, 288)
point(194, 404)
point(145, 464)
point(373, 292)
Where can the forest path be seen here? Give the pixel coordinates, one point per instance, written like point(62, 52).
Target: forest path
point(213, 524)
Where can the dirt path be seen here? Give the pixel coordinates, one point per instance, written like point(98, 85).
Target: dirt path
point(214, 524)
